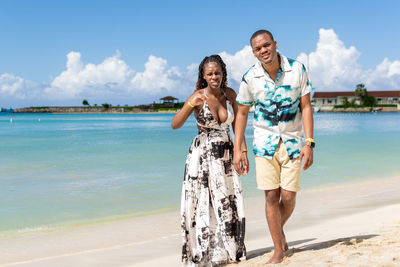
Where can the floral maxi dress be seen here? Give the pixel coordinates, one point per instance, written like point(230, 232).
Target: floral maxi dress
point(212, 215)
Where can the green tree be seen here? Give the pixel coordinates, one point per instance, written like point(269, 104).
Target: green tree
point(366, 100)
point(106, 105)
point(361, 90)
point(85, 102)
point(369, 100)
point(345, 101)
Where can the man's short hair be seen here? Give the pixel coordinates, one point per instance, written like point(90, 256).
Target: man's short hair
point(259, 32)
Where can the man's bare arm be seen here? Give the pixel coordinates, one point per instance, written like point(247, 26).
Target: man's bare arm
point(308, 125)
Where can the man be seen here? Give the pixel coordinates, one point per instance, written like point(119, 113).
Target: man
point(280, 91)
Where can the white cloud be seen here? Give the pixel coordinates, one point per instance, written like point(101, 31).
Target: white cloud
point(238, 63)
point(113, 78)
point(333, 66)
point(386, 76)
point(11, 85)
point(80, 80)
point(156, 76)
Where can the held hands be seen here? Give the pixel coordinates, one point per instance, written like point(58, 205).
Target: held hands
point(240, 162)
point(197, 98)
point(307, 153)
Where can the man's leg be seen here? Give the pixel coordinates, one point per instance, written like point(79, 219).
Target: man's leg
point(286, 207)
point(273, 214)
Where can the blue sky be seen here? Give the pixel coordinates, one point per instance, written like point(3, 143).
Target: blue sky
point(133, 52)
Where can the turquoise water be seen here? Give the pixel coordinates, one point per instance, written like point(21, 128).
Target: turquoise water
point(73, 169)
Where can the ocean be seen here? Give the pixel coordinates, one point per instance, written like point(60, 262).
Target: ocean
point(63, 170)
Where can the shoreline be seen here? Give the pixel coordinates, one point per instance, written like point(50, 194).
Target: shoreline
point(154, 240)
point(138, 110)
point(173, 112)
point(250, 197)
point(70, 225)
point(98, 112)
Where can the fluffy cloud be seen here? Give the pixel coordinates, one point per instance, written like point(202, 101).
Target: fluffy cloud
point(386, 76)
point(332, 66)
point(238, 63)
point(11, 85)
point(113, 78)
point(157, 77)
point(90, 80)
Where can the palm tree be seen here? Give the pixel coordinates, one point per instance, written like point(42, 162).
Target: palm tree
point(85, 102)
point(361, 90)
point(366, 100)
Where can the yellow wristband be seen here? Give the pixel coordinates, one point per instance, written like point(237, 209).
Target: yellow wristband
point(244, 150)
point(190, 104)
point(310, 140)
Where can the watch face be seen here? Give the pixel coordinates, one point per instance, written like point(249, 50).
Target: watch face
point(310, 144)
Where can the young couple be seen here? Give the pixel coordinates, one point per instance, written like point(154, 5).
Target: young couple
point(213, 221)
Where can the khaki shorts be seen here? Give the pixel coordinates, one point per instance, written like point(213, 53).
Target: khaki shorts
point(280, 171)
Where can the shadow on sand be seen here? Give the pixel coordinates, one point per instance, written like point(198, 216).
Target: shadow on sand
point(348, 241)
point(261, 251)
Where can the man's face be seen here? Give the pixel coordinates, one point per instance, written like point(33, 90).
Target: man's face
point(264, 48)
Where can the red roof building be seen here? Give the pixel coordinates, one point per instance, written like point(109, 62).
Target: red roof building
point(377, 94)
point(168, 101)
point(327, 100)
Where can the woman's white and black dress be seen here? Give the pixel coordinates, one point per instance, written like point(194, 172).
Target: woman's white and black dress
point(213, 222)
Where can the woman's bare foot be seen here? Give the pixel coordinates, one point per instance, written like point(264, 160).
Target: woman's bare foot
point(277, 257)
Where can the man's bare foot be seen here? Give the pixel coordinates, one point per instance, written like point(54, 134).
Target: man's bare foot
point(277, 257)
point(285, 246)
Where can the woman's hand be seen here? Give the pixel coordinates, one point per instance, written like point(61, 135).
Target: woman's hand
point(245, 163)
point(198, 98)
point(240, 162)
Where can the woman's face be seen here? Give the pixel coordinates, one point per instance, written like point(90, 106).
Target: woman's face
point(213, 75)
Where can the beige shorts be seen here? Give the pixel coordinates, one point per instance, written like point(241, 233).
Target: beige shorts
point(280, 171)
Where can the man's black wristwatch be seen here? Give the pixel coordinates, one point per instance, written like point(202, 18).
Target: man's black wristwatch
point(310, 142)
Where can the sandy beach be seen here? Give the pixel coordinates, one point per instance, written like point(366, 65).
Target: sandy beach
point(354, 224)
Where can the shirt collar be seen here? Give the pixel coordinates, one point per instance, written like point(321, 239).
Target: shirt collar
point(285, 66)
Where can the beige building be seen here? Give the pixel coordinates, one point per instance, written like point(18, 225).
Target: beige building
point(327, 100)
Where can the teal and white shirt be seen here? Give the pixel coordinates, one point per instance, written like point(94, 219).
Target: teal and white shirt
point(277, 112)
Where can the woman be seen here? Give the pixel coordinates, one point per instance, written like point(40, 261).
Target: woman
point(212, 205)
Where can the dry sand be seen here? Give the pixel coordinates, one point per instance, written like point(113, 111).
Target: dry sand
point(348, 225)
point(334, 243)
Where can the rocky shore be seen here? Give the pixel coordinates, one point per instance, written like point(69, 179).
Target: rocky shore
point(72, 110)
point(358, 110)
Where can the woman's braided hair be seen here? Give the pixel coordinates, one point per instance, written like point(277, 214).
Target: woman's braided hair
point(201, 82)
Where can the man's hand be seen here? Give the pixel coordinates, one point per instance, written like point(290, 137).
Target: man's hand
point(307, 153)
point(240, 162)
